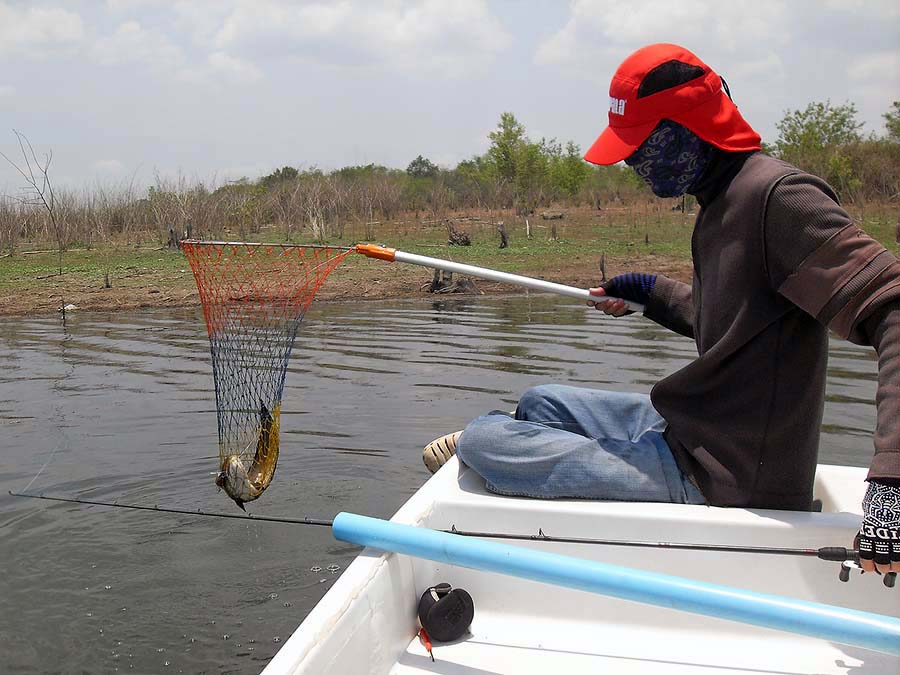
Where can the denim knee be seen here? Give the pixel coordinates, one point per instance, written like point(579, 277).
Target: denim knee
point(482, 435)
point(536, 399)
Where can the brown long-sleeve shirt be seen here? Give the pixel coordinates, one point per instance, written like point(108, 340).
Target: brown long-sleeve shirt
point(777, 263)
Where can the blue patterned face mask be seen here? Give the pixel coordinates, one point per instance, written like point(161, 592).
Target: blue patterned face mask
point(671, 160)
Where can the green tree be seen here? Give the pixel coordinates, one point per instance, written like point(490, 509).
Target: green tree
point(530, 164)
point(363, 171)
point(506, 141)
point(568, 174)
point(573, 171)
point(892, 122)
point(818, 140)
point(473, 181)
point(422, 167)
point(819, 126)
point(768, 148)
point(285, 173)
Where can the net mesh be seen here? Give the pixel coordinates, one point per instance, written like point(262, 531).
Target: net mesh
point(254, 297)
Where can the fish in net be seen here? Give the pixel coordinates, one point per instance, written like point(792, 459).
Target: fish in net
point(254, 297)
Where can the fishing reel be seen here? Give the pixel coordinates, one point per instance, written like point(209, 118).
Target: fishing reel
point(889, 579)
point(849, 559)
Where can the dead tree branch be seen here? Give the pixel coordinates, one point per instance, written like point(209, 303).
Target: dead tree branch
point(39, 188)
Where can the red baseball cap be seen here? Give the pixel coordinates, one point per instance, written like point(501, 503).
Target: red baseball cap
point(665, 81)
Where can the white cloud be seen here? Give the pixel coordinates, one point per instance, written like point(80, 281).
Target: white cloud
point(768, 66)
point(233, 68)
point(234, 39)
point(131, 5)
point(640, 22)
point(608, 30)
point(254, 21)
point(883, 66)
point(131, 43)
point(201, 19)
point(220, 67)
point(7, 91)
point(37, 32)
point(888, 8)
point(423, 36)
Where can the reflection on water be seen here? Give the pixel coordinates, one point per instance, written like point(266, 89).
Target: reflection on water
point(122, 407)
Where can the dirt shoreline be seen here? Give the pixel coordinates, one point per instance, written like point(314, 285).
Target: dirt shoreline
point(150, 289)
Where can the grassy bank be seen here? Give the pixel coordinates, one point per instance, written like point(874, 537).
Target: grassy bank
point(645, 237)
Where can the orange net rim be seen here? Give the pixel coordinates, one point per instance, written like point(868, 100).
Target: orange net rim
point(203, 255)
point(204, 242)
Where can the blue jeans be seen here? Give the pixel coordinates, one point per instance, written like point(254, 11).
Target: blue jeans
point(582, 443)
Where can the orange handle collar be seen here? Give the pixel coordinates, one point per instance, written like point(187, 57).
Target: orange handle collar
point(376, 251)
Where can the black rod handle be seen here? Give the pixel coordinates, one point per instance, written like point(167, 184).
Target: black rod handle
point(837, 553)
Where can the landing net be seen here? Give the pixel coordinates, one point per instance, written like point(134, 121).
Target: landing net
point(254, 297)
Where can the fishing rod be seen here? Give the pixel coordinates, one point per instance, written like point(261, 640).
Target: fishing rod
point(827, 553)
point(186, 512)
point(848, 557)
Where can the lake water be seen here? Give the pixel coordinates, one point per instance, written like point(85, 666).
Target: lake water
point(121, 406)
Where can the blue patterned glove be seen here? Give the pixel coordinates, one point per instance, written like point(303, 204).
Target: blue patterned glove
point(634, 286)
point(879, 536)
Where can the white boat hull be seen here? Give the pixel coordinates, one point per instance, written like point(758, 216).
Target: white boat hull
point(366, 624)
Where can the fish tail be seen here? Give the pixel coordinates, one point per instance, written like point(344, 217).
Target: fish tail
point(263, 467)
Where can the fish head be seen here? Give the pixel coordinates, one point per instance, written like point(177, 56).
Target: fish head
point(234, 480)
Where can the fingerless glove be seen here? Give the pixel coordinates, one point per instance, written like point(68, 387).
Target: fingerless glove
point(879, 536)
point(634, 286)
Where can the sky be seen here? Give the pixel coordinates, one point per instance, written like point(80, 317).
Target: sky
point(123, 91)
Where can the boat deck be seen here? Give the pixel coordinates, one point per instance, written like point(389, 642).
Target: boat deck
point(366, 624)
point(602, 648)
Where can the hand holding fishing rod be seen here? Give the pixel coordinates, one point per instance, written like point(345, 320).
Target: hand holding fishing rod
point(393, 255)
point(879, 536)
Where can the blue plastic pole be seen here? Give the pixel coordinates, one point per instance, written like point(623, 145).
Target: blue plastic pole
point(828, 622)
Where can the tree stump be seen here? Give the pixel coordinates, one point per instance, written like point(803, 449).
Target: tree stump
point(457, 237)
point(438, 281)
point(442, 282)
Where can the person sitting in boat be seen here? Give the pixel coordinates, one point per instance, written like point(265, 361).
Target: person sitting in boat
point(777, 264)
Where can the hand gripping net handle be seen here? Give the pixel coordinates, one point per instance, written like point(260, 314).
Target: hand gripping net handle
point(393, 255)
